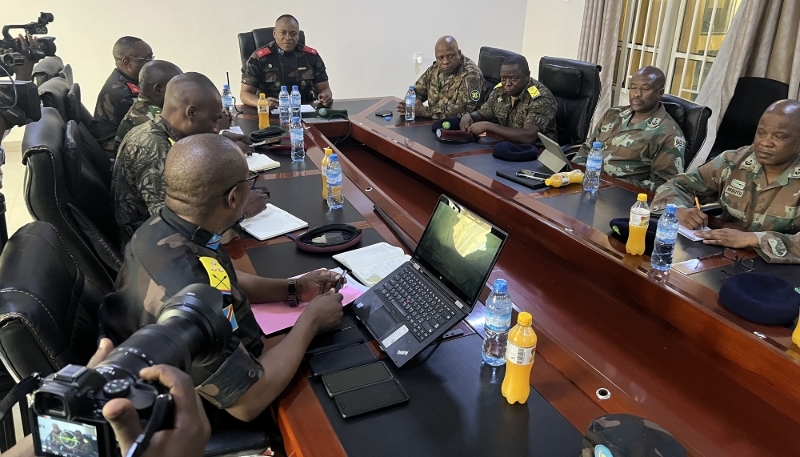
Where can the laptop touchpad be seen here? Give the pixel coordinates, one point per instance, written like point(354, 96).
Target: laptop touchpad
point(381, 322)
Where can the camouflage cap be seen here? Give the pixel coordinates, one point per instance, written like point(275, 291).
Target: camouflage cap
point(625, 435)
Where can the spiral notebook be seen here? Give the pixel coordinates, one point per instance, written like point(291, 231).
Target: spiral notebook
point(272, 222)
point(260, 162)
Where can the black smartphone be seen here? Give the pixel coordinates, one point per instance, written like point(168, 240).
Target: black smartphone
point(370, 398)
point(341, 359)
point(384, 113)
point(330, 341)
point(354, 378)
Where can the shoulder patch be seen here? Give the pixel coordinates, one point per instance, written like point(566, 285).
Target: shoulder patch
point(498, 85)
point(796, 172)
point(680, 142)
point(309, 50)
point(265, 51)
point(534, 92)
point(474, 95)
point(217, 276)
point(133, 87)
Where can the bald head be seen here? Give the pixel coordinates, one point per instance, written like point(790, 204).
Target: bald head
point(777, 139)
point(645, 90)
point(656, 77)
point(192, 104)
point(191, 190)
point(448, 56)
point(153, 79)
point(789, 110)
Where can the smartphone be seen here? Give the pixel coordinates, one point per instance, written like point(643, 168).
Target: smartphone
point(341, 359)
point(370, 398)
point(330, 341)
point(383, 113)
point(353, 378)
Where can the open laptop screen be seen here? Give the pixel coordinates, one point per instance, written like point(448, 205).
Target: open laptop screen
point(459, 248)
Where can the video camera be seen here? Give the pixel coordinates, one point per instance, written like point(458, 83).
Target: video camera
point(19, 103)
point(47, 45)
point(68, 405)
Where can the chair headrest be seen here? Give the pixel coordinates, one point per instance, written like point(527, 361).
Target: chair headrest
point(47, 132)
point(691, 118)
point(562, 81)
point(53, 93)
point(73, 103)
point(490, 60)
point(47, 68)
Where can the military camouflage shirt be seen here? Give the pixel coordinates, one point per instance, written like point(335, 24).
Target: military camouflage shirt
point(165, 255)
point(535, 105)
point(270, 67)
point(738, 182)
point(143, 110)
point(115, 99)
point(138, 178)
point(450, 95)
point(646, 154)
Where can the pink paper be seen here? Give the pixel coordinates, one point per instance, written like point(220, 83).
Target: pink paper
point(273, 317)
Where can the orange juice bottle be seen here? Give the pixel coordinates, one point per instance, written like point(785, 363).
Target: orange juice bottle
point(564, 178)
point(796, 333)
point(323, 166)
point(637, 226)
point(520, 351)
point(263, 111)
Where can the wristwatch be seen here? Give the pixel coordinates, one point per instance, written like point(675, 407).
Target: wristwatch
point(293, 293)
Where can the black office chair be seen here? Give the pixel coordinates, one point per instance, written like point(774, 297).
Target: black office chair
point(489, 61)
point(692, 119)
point(91, 149)
point(751, 98)
point(48, 68)
point(53, 93)
point(258, 38)
point(576, 88)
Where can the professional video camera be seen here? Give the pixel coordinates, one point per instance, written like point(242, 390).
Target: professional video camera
point(68, 404)
point(47, 45)
point(19, 103)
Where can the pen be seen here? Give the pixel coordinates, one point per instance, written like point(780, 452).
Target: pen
point(697, 203)
point(523, 175)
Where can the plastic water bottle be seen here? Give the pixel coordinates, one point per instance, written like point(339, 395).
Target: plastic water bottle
point(411, 103)
point(594, 163)
point(666, 235)
point(227, 98)
point(298, 142)
point(334, 182)
point(296, 102)
point(497, 323)
point(284, 106)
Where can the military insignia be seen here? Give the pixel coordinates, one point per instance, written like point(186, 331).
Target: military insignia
point(474, 95)
point(231, 316)
point(737, 184)
point(269, 66)
point(749, 162)
point(133, 87)
point(301, 68)
point(265, 51)
point(616, 230)
point(309, 50)
point(446, 125)
point(217, 276)
point(534, 92)
point(730, 190)
point(606, 127)
point(654, 123)
point(498, 85)
point(602, 451)
point(777, 246)
point(680, 142)
point(625, 113)
point(796, 172)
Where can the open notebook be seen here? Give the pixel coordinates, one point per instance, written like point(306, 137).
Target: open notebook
point(272, 222)
point(260, 162)
point(372, 263)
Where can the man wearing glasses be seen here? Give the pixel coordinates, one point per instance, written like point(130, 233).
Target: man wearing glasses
point(758, 187)
point(518, 108)
point(120, 90)
point(285, 62)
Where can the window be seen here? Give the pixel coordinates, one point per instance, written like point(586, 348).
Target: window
point(682, 37)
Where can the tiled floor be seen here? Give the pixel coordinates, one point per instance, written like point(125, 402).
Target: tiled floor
point(13, 178)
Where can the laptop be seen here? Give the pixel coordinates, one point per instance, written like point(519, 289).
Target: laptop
point(550, 161)
point(428, 295)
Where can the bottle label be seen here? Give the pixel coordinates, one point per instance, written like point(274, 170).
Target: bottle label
point(639, 220)
point(520, 355)
point(498, 322)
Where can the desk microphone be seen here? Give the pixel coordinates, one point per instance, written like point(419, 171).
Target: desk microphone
point(328, 113)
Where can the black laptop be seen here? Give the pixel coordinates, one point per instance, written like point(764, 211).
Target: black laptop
point(439, 286)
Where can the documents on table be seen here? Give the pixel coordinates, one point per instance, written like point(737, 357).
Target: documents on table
point(372, 263)
point(691, 234)
point(272, 222)
point(303, 109)
point(235, 129)
point(260, 162)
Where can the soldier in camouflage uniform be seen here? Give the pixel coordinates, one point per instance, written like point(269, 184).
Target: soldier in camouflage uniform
point(120, 90)
point(285, 62)
point(153, 81)
point(758, 187)
point(642, 144)
point(168, 253)
point(517, 109)
point(451, 86)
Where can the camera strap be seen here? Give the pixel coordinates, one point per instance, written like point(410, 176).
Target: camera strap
point(161, 409)
point(18, 393)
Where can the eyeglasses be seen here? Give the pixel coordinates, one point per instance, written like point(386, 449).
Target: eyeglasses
point(147, 58)
point(250, 180)
point(747, 262)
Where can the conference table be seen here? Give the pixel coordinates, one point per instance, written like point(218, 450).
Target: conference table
point(665, 350)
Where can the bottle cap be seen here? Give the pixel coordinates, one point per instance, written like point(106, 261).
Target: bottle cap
point(410, 87)
point(328, 151)
point(642, 197)
point(524, 319)
point(597, 145)
point(671, 208)
point(334, 156)
point(283, 88)
point(500, 286)
point(225, 86)
point(294, 87)
point(262, 95)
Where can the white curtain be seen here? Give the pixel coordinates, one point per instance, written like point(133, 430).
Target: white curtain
point(598, 43)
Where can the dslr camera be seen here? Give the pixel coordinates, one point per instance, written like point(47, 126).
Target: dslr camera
point(47, 45)
point(67, 417)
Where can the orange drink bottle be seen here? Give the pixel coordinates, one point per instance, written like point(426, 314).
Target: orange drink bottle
point(520, 351)
point(263, 111)
point(796, 333)
point(323, 166)
point(564, 178)
point(637, 226)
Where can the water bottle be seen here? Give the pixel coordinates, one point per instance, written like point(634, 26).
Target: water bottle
point(497, 322)
point(296, 102)
point(284, 106)
point(637, 225)
point(594, 163)
point(298, 143)
point(666, 235)
point(334, 182)
point(411, 103)
point(227, 99)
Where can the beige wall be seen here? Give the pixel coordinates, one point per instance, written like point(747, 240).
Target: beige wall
point(365, 46)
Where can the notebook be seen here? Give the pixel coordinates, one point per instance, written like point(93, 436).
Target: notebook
point(429, 294)
point(272, 222)
point(372, 263)
point(260, 162)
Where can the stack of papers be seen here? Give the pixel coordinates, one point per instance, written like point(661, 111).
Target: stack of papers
point(272, 222)
point(372, 263)
point(260, 162)
point(691, 234)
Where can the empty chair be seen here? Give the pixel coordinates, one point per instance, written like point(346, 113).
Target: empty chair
point(90, 148)
point(257, 38)
point(48, 68)
point(692, 119)
point(489, 61)
point(53, 93)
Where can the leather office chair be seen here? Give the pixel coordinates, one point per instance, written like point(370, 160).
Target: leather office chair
point(751, 98)
point(576, 88)
point(489, 61)
point(257, 38)
point(91, 149)
point(692, 119)
point(48, 68)
point(53, 93)
point(68, 73)
point(48, 199)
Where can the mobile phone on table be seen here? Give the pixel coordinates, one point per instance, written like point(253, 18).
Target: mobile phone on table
point(340, 359)
point(370, 398)
point(353, 378)
point(331, 341)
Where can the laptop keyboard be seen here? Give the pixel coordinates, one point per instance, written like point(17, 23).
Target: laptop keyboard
point(424, 311)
